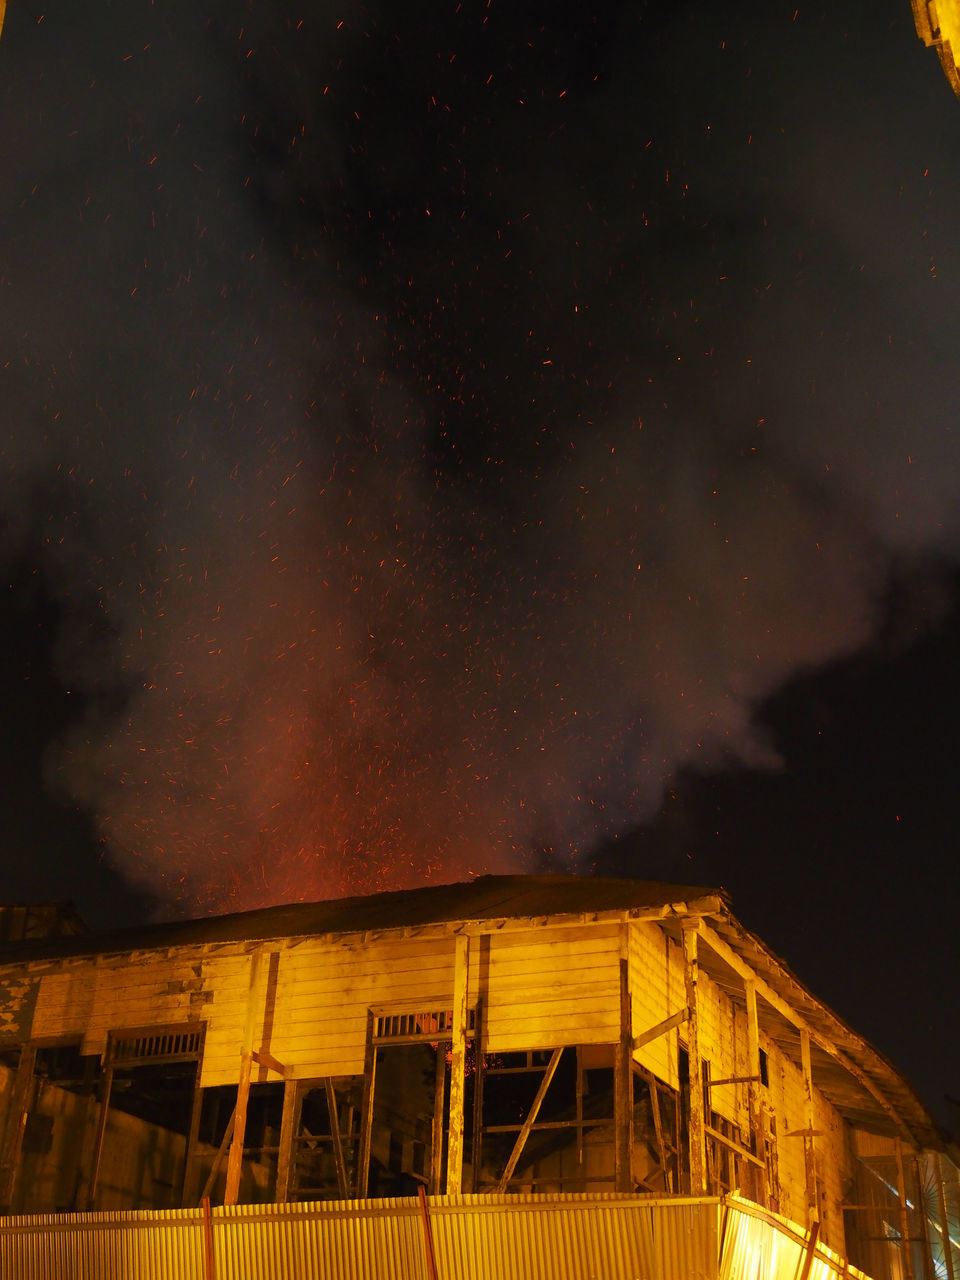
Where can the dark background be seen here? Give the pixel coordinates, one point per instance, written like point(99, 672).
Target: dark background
point(484, 437)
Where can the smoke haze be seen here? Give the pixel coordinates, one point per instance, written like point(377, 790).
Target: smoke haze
point(433, 437)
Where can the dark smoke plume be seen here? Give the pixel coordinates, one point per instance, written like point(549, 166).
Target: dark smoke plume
point(436, 434)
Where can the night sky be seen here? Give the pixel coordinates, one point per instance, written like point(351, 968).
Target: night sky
point(438, 439)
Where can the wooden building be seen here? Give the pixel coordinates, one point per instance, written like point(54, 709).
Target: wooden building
point(511, 1034)
point(938, 25)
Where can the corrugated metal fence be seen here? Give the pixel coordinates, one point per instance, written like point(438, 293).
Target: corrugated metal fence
point(580, 1237)
point(760, 1245)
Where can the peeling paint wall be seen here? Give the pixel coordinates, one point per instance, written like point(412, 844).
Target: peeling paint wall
point(18, 998)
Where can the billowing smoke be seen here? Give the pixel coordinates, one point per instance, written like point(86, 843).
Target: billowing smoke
point(436, 437)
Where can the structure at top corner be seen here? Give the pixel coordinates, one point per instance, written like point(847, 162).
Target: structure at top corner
point(493, 1042)
point(938, 25)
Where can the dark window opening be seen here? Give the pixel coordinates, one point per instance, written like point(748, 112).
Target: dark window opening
point(658, 1157)
point(569, 1145)
point(56, 1111)
point(261, 1144)
point(408, 1126)
point(144, 1150)
point(147, 1115)
point(321, 1167)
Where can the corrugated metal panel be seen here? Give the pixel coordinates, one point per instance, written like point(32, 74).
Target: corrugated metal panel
point(591, 1237)
point(759, 1245)
point(367, 1240)
point(103, 1246)
point(755, 1250)
point(490, 1237)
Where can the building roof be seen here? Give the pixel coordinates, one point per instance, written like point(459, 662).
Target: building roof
point(863, 1086)
point(484, 899)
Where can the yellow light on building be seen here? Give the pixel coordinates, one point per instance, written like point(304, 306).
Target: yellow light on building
point(938, 25)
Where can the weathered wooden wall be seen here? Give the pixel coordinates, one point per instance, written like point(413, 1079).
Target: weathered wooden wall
point(657, 991)
point(540, 987)
point(550, 987)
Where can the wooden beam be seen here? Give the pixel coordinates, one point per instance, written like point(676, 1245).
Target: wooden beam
point(264, 1059)
point(579, 1106)
point(698, 1147)
point(189, 1155)
point(809, 1153)
point(219, 1157)
point(661, 1028)
point(786, 1011)
point(334, 1118)
point(736, 1147)
point(288, 1133)
point(717, 1084)
point(231, 1192)
point(106, 1088)
point(235, 1159)
point(530, 1120)
point(366, 1109)
point(458, 1064)
point(811, 1250)
point(16, 1123)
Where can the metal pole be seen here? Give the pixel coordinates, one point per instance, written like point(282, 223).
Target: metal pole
point(209, 1261)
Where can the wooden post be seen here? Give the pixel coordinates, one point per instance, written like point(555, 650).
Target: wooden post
point(580, 1112)
point(106, 1089)
point(623, 1079)
point(288, 1125)
point(366, 1109)
point(907, 1253)
point(477, 1139)
point(231, 1192)
point(754, 1105)
point(189, 1157)
point(334, 1118)
point(458, 1062)
point(218, 1159)
point(944, 1221)
point(235, 1159)
point(811, 1249)
point(697, 1136)
point(436, 1132)
point(16, 1123)
point(809, 1153)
